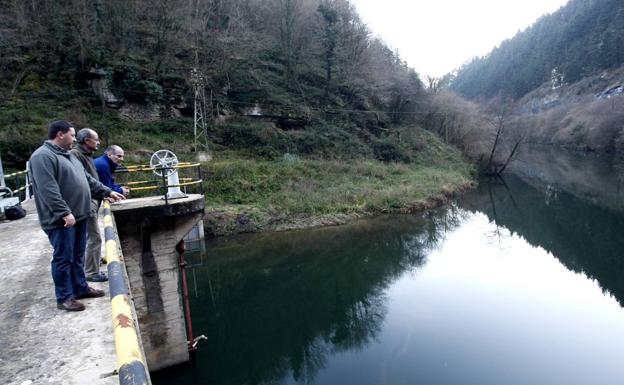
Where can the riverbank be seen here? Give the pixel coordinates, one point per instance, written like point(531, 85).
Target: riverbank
point(263, 178)
point(251, 195)
point(235, 219)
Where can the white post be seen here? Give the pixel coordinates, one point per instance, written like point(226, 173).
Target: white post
point(174, 191)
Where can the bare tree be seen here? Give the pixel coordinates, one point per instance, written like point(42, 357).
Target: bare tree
point(456, 120)
point(329, 39)
point(288, 29)
point(433, 83)
point(504, 139)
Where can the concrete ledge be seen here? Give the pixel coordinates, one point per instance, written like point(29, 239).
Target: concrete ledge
point(157, 207)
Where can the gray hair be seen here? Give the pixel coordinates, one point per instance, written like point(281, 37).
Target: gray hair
point(112, 149)
point(84, 134)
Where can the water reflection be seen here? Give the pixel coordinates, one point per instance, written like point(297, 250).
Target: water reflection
point(491, 290)
point(595, 179)
point(279, 306)
point(584, 236)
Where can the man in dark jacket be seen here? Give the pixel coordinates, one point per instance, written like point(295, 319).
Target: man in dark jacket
point(106, 166)
point(88, 141)
point(63, 192)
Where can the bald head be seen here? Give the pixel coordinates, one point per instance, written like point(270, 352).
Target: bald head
point(115, 153)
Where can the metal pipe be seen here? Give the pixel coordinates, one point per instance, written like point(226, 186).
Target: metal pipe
point(180, 248)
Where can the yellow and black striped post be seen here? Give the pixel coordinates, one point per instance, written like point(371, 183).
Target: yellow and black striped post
point(130, 361)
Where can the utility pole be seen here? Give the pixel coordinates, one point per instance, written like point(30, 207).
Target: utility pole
point(200, 129)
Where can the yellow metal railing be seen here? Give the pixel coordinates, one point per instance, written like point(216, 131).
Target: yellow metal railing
point(15, 179)
point(160, 182)
point(131, 364)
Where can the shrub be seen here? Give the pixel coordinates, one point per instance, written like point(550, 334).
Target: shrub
point(262, 140)
point(388, 151)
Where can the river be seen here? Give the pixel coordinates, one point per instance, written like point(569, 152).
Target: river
point(517, 282)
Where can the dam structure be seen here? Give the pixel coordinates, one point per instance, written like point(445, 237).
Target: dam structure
point(140, 327)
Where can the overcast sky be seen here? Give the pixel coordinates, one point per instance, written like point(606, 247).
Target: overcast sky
point(437, 36)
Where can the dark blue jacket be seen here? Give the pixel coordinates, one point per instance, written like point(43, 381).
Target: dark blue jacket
point(105, 168)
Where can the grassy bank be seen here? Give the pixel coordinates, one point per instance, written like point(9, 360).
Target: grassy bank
point(255, 182)
point(245, 195)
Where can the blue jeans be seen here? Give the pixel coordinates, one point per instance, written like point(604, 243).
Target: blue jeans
point(68, 260)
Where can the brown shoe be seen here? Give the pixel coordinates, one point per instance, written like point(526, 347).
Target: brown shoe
point(91, 293)
point(71, 305)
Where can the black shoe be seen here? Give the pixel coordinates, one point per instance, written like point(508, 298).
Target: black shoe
point(91, 293)
point(99, 277)
point(71, 305)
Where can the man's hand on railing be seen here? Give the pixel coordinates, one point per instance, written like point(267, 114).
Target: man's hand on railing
point(115, 197)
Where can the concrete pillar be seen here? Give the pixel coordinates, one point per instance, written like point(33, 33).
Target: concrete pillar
point(195, 240)
point(149, 230)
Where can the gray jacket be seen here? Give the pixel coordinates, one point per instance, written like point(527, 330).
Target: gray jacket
point(86, 158)
point(61, 186)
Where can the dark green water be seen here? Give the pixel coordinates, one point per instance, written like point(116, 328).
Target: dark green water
point(518, 282)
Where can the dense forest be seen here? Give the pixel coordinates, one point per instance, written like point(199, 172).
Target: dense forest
point(579, 40)
point(307, 63)
point(308, 114)
point(295, 56)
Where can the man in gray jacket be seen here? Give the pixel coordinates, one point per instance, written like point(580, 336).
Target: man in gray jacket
point(63, 192)
point(88, 141)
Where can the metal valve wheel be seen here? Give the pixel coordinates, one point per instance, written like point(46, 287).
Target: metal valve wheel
point(162, 161)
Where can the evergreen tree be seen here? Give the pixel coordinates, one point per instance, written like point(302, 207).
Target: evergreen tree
point(578, 40)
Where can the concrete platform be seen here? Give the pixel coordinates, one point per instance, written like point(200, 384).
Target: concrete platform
point(156, 206)
point(40, 344)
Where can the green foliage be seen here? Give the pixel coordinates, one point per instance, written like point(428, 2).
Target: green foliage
point(264, 140)
point(359, 149)
point(259, 139)
point(310, 54)
point(23, 127)
point(387, 151)
point(297, 185)
point(127, 82)
point(148, 91)
point(580, 39)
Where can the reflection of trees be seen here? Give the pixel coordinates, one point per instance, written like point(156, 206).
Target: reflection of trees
point(585, 176)
point(279, 305)
point(582, 235)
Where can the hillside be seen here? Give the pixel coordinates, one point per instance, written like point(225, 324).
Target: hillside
point(579, 40)
point(585, 115)
point(304, 64)
point(310, 120)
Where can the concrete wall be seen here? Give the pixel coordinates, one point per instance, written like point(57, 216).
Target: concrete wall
point(148, 237)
